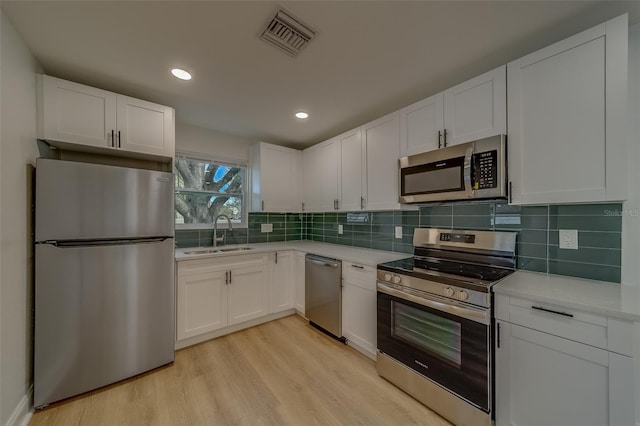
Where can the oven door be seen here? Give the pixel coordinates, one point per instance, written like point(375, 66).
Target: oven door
point(449, 344)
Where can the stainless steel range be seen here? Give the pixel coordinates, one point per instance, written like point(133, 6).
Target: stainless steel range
point(434, 320)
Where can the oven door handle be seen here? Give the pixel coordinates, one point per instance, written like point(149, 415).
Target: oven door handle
point(477, 315)
point(468, 189)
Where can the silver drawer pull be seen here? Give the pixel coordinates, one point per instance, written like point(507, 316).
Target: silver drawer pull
point(357, 266)
point(564, 314)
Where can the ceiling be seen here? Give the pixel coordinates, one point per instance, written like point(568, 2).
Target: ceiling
point(369, 58)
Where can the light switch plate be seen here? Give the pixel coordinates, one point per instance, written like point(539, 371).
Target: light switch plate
point(340, 229)
point(568, 239)
point(399, 232)
point(266, 227)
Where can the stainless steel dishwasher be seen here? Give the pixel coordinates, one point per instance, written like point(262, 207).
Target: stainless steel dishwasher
point(323, 294)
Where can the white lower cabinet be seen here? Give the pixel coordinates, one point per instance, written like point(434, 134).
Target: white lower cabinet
point(359, 307)
point(248, 293)
point(545, 379)
point(216, 293)
point(283, 280)
point(299, 282)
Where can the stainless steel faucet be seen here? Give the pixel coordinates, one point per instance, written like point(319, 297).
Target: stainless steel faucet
point(217, 239)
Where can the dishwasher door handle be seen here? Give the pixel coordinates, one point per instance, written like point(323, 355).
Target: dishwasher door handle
point(322, 263)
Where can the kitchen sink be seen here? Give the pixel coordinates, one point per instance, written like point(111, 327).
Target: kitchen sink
point(224, 250)
point(201, 251)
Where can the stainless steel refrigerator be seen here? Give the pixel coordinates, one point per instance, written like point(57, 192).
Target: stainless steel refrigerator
point(104, 291)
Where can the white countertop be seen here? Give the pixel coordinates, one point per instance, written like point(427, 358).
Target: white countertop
point(605, 298)
point(336, 251)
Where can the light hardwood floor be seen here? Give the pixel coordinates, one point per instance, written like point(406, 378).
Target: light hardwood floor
point(280, 373)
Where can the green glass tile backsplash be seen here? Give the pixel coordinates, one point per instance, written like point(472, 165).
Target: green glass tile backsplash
point(599, 232)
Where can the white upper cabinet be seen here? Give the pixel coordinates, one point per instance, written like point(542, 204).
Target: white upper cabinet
point(79, 117)
point(72, 112)
point(381, 139)
point(421, 125)
point(145, 127)
point(567, 127)
point(471, 110)
point(320, 164)
point(353, 170)
point(275, 178)
point(477, 108)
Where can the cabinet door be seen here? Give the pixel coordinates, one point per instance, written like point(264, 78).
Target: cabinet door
point(547, 380)
point(145, 127)
point(277, 185)
point(477, 108)
point(283, 276)
point(321, 176)
point(248, 295)
point(359, 317)
point(420, 124)
point(352, 170)
point(72, 112)
point(299, 282)
point(567, 119)
point(202, 300)
point(312, 169)
point(382, 145)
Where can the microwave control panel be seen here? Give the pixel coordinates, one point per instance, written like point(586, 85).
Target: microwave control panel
point(484, 170)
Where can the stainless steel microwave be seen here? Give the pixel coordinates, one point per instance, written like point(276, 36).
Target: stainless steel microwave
point(471, 170)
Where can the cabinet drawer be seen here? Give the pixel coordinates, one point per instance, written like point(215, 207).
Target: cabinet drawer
point(559, 321)
point(359, 275)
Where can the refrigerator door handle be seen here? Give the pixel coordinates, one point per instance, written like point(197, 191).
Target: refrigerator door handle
point(105, 242)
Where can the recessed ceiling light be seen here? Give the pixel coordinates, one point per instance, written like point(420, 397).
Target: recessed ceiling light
point(302, 115)
point(180, 73)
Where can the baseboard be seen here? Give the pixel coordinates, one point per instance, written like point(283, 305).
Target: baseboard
point(361, 348)
point(180, 344)
point(23, 412)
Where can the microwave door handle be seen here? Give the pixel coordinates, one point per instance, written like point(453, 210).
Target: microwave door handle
point(468, 189)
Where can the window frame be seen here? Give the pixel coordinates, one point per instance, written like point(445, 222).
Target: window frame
point(222, 224)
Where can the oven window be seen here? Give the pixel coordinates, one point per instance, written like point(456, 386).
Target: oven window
point(436, 335)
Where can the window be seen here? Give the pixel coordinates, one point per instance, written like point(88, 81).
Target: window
point(207, 188)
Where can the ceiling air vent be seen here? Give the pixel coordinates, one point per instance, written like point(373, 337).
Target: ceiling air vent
point(287, 33)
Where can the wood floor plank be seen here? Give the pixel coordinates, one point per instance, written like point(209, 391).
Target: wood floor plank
point(279, 373)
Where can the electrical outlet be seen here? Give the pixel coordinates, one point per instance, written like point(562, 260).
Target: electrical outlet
point(266, 227)
point(340, 229)
point(568, 239)
point(399, 232)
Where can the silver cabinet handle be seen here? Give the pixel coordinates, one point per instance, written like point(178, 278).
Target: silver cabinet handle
point(361, 203)
point(302, 206)
point(510, 192)
point(226, 277)
point(357, 266)
point(439, 139)
point(113, 142)
point(119, 139)
point(276, 258)
point(262, 205)
point(230, 279)
point(445, 138)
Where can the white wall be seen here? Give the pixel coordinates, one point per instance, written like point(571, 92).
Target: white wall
point(17, 150)
point(213, 143)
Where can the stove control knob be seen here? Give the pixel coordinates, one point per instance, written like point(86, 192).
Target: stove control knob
point(463, 295)
point(387, 277)
point(448, 292)
point(396, 279)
